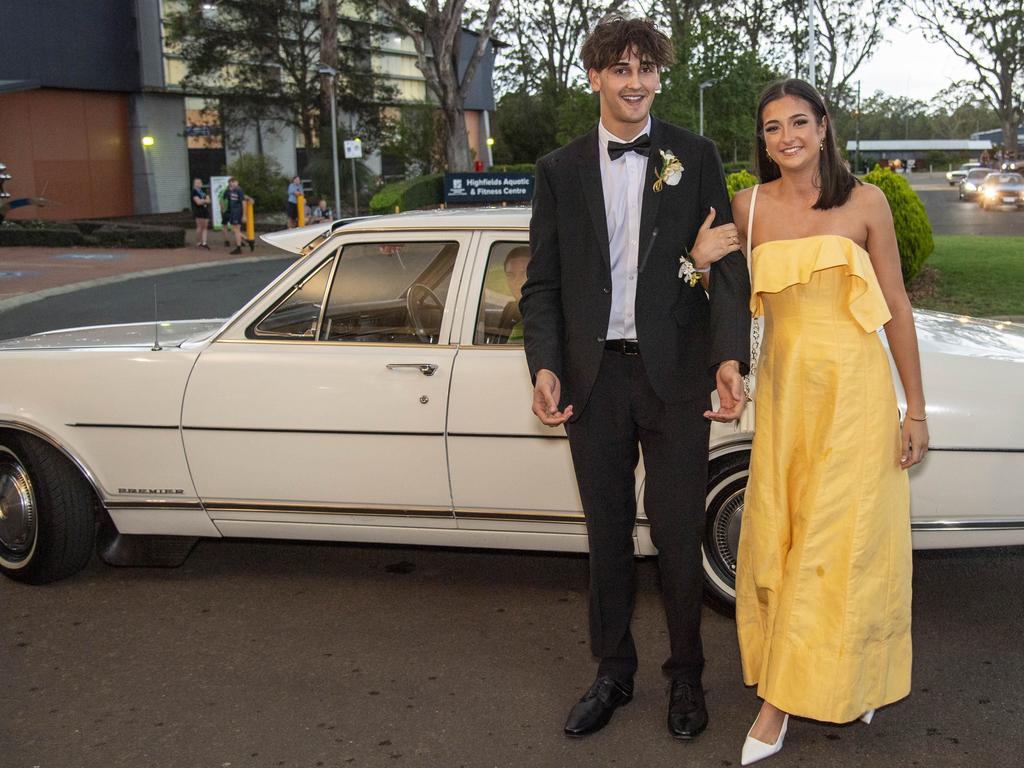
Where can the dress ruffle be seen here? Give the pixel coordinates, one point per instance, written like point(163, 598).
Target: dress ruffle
point(804, 256)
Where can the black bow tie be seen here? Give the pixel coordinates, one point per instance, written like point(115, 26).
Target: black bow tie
point(641, 145)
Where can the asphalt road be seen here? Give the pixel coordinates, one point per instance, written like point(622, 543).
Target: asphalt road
point(951, 216)
point(201, 292)
point(280, 654)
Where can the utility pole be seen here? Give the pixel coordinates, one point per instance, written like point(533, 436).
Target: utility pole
point(856, 161)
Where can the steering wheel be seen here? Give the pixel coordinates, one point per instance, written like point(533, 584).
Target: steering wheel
point(419, 300)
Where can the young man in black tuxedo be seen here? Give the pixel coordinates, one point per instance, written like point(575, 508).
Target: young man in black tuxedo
point(625, 352)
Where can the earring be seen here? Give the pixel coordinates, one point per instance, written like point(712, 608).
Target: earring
point(821, 146)
point(770, 158)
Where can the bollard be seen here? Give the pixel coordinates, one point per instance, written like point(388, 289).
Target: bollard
point(301, 202)
point(398, 209)
point(250, 223)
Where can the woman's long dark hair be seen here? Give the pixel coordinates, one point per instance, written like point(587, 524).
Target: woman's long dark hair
point(836, 181)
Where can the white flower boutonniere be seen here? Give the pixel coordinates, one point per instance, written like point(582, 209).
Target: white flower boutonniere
point(671, 170)
point(688, 270)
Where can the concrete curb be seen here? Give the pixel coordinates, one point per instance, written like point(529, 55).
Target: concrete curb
point(28, 298)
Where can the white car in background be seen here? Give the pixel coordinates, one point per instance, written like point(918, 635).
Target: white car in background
point(955, 177)
point(376, 392)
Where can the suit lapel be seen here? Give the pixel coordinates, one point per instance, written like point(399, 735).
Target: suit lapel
point(589, 163)
point(651, 199)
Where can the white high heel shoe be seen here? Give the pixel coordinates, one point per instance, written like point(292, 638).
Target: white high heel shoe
point(866, 717)
point(754, 750)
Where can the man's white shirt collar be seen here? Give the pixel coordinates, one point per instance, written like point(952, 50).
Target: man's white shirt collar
point(604, 135)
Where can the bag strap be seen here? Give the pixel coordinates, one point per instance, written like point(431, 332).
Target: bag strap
point(750, 222)
point(755, 325)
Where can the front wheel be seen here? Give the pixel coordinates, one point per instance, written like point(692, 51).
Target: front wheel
point(47, 512)
point(727, 485)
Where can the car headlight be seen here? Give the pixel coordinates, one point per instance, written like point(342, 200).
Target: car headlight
point(990, 194)
point(968, 187)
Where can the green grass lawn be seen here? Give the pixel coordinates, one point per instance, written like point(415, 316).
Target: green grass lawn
point(979, 276)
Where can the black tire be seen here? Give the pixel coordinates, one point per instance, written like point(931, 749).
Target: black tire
point(727, 483)
point(49, 529)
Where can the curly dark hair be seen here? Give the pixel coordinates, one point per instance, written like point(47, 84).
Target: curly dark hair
point(836, 181)
point(617, 33)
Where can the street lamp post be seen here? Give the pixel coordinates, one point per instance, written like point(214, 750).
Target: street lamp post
point(812, 43)
point(702, 86)
point(331, 72)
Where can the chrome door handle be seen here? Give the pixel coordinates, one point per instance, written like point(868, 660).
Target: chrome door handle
point(427, 369)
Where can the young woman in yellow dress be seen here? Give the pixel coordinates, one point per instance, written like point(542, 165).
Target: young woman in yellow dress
point(824, 567)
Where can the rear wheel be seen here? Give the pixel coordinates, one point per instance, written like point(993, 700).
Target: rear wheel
point(727, 484)
point(47, 512)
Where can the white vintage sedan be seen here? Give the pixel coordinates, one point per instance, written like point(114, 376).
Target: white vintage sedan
point(377, 391)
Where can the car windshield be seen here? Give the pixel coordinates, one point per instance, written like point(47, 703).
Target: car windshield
point(978, 174)
point(1009, 178)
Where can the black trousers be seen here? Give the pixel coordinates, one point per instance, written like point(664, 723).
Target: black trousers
point(623, 416)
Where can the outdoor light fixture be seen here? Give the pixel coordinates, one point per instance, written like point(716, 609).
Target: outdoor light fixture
point(702, 86)
point(490, 141)
point(148, 141)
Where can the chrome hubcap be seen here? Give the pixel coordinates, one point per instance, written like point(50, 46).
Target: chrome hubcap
point(18, 520)
point(726, 531)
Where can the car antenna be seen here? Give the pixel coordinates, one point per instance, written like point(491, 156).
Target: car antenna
point(156, 325)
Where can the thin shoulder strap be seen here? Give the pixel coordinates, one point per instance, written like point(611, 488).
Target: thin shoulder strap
point(750, 221)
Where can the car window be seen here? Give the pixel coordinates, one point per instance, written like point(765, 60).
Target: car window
point(977, 175)
point(297, 314)
point(389, 292)
point(498, 319)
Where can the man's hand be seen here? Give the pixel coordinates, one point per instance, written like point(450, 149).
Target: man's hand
point(730, 393)
point(546, 394)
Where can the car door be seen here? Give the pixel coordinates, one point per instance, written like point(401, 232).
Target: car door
point(509, 473)
point(326, 404)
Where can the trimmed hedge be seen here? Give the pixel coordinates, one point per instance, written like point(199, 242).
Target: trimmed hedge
point(913, 230)
point(39, 236)
point(129, 236)
point(734, 182)
point(514, 168)
point(736, 167)
point(62, 234)
point(418, 192)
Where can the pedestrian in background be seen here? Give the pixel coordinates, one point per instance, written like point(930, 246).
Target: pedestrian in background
point(200, 212)
point(234, 211)
point(294, 190)
point(322, 212)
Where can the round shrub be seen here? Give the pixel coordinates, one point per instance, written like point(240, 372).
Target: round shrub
point(913, 230)
point(417, 192)
point(734, 182)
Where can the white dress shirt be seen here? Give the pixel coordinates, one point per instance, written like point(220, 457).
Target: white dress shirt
point(623, 184)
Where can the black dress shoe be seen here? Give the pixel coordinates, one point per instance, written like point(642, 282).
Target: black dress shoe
point(687, 714)
point(595, 709)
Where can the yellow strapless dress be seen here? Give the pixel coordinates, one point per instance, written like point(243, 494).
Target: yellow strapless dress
point(823, 577)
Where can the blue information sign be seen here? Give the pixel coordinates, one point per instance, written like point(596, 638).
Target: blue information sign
point(485, 188)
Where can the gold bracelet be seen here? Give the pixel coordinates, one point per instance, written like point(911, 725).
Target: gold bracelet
point(913, 419)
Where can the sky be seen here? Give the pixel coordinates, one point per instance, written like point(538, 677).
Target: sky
point(908, 65)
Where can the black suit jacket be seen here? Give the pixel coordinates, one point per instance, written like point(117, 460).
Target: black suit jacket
point(684, 333)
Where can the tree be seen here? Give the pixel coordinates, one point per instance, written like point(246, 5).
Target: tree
point(990, 37)
point(436, 34)
point(545, 37)
point(259, 59)
point(847, 34)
